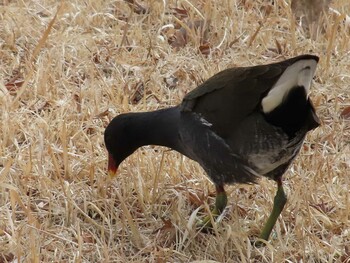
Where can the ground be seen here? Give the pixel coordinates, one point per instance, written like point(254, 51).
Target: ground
point(67, 68)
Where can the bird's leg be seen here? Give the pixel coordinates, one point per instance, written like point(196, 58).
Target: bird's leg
point(220, 200)
point(278, 204)
point(220, 204)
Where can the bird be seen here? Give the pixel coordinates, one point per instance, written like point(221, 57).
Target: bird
point(241, 124)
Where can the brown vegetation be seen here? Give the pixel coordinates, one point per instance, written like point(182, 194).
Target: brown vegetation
point(67, 69)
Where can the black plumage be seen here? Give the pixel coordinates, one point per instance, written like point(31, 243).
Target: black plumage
point(241, 123)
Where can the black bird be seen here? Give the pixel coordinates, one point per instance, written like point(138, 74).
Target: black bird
point(240, 124)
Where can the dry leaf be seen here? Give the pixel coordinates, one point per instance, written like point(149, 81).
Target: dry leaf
point(14, 84)
point(181, 36)
point(345, 114)
point(138, 94)
point(166, 234)
point(247, 4)
point(180, 13)
point(345, 258)
point(266, 9)
point(323, 207)
point(279, 47)
point(242, 212)
point(88, 238)
point(45, 106)
point(179, 39)
point(96, 58)
point(205, 49)
point(102, 114)
point(7, 258)
point(137, 8)
point(196, 198)
point(167, 225)
point(77, 100)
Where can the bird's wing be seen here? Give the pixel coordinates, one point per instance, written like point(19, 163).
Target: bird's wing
point(229, 96)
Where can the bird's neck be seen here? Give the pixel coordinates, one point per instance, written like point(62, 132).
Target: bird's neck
point(155, 128)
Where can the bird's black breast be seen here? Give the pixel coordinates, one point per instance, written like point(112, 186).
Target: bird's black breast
point(212, 152)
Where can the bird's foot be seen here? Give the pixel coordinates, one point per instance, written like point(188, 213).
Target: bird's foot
point(206, 225)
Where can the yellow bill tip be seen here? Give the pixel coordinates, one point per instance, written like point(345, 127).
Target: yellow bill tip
point(112, 167)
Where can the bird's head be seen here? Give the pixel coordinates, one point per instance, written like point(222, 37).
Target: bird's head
point(120, 141)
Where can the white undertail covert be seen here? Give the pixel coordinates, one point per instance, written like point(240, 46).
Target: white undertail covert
point(298, 74)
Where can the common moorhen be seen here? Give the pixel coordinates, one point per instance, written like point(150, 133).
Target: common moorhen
point(240, 124)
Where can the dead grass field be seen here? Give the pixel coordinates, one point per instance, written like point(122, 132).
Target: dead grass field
point(63, 79)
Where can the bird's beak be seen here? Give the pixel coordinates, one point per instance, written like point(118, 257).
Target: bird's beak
point(112, 167)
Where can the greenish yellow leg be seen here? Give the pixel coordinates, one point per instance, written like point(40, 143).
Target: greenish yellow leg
point(220, 204)
point(278, 204)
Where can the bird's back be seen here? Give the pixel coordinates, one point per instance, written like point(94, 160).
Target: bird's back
point(232, 137)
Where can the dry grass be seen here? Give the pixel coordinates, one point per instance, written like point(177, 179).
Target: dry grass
point(63, 79)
